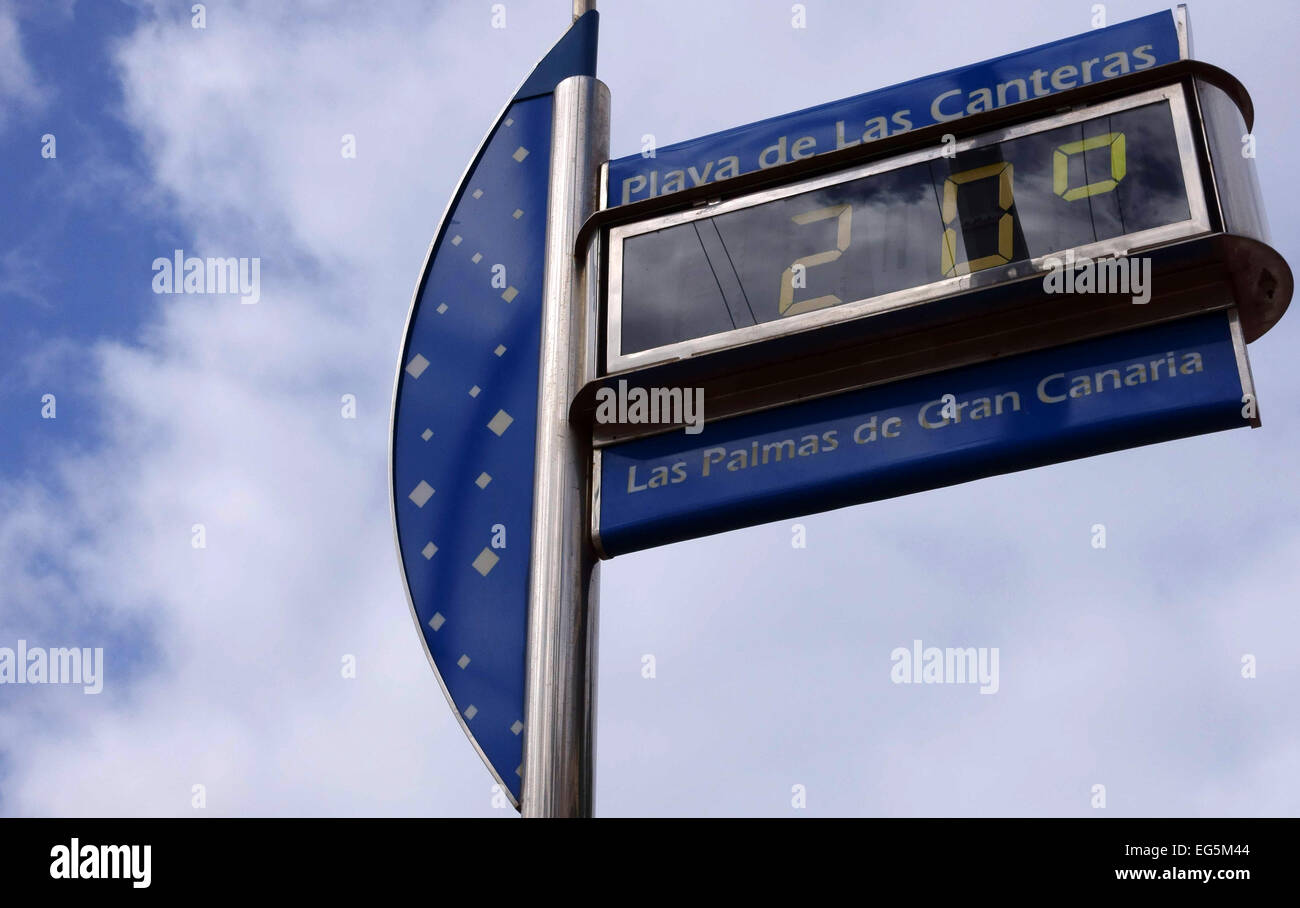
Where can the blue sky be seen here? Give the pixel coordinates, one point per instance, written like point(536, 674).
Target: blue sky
point(1118, 667)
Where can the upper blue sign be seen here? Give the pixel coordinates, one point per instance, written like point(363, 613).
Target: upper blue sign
point(1100, 54)
point(1145, 386)
point(465, 417)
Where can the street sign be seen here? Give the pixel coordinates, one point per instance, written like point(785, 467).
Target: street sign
point(464, 420)
point(803, 297)
point(1086, 59)
point(1145, 386)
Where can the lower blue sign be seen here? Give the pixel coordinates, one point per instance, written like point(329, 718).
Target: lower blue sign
point(1155, 384)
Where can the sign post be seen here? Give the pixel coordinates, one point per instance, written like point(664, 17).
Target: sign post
point(561, 672)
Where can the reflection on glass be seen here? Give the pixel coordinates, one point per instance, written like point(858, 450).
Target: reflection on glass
point(986, 207)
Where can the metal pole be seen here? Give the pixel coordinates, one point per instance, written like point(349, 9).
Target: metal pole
point(559, 719)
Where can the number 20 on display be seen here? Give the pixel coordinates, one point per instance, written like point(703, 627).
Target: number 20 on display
point(948, 264)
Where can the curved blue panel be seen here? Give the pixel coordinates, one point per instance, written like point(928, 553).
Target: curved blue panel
point(465, 418)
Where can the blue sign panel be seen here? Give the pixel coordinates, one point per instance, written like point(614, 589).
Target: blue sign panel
point(465, 416)
point(1145, 386)
point(1094, 56)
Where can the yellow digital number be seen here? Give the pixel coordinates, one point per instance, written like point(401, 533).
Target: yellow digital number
point(948, 255)
point(1061, 166)
point(843, 235)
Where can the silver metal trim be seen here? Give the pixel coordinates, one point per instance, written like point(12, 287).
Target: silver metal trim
point(595, 505)
point(1183, 25)
point(604, 186)
point(593, 287)
point(559, 712)
point(1243, 362)
point(1198, 223)
point(591, 319)
point(1209, 159)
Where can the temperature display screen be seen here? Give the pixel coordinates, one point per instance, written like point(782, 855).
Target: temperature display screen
point(957, 213)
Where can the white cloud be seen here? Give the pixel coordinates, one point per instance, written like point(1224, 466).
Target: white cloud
point(19, 86)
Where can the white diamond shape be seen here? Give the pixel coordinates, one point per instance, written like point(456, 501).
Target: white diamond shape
point(517, 727)
point(427, 434)
point(442, 307)
point(500, 422)
point(463, 660)
point(483, 480)
point(429, 550)
point(421, 493)
point(437, 620)
point(415, 368)
point(510, 294)
point(471, 711)
point(486, 561)
point(501, 348)
point(519, 212)
point(520, 153)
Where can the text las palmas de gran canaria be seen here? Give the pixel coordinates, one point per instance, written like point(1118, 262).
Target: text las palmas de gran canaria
point(933, 415)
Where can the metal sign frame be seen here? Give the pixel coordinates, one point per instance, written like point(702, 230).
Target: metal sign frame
point(1197, 224)
point(1230, 264)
